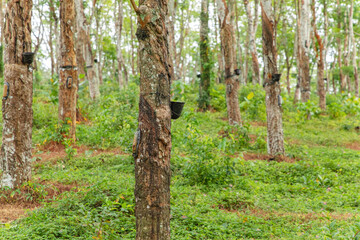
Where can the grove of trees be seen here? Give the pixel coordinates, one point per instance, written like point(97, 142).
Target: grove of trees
point(303, 50)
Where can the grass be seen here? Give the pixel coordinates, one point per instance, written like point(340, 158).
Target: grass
point(215, 193)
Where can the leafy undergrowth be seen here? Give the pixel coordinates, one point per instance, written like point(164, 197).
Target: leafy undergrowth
point(224, 185)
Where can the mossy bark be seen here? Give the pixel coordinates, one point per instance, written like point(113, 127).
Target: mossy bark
point(204, 88)
point(17, 105)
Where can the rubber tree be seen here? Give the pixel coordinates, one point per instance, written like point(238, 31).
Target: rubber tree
point(17, 111)
point(204, 88)
point(119, 56)
point(170, 21)
point(152, 143)
point(339, 53)
point(252, 27)
point(84, 50)
point(275, 136)
point(1, 40)
point(352, 46)
point(68, 68)
point(304, 48)
point(319, 49)
point(231, 79)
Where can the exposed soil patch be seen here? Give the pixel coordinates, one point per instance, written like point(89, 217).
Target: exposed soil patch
point(54, 151)
point(11, 212)
point(52, 146)
point(15, 203)
point(234, 206)
point(258, 124)
point(267, 157)
point(294, 216)
point(353, 146)
point(303, 217)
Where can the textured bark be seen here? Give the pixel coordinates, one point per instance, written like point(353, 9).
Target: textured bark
point(204, 88)
point(252, 27)
point(170, 21)
point(239, 57)
point(220, 54)
point(231, 80)
point(304, 47)
point(319, 49)
point(1, 40)
point(84, 51)
point(273, 108)
point(51, 45)
point(288, 59)
point(347, 49)
point(338, 39)
point(56, 34)
point(326, 42)
point(133, 69)
point(17, 107)
point(297, 53)
point(119, 26)
point(354, 49)
point(1, 22)
point(68, 68)
point(80, 38)
point(152, 145)
point(98, 39)
point(184, 26)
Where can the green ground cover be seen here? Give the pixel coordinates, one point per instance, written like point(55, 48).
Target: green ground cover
point(220, 189)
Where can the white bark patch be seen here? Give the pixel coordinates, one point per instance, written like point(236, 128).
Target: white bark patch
point(7, 181)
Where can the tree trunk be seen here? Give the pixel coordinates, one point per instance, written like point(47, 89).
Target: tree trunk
point(84, 49)
point(1, 40)
point(297, 53)
point(220, 55)
point(204, 88)
point(170, 21)
point(342, 79)
point(68, 69)
point(17, 105)
point(119, 26)
point(347, 49)
point(152, 145)
point(184, 26)
point(231, 79)
point(320, 63)
point(98, 39)
point(80, 38)
point(272, 85)
point(288, 60)
point(252, 27)
point(326, 41)
point(56, 33)
point(304, 48)
point(133, 69)
point(238, 50)
point(51, 46)
point(354, 49)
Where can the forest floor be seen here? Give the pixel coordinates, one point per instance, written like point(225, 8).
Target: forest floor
point(224, 185)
